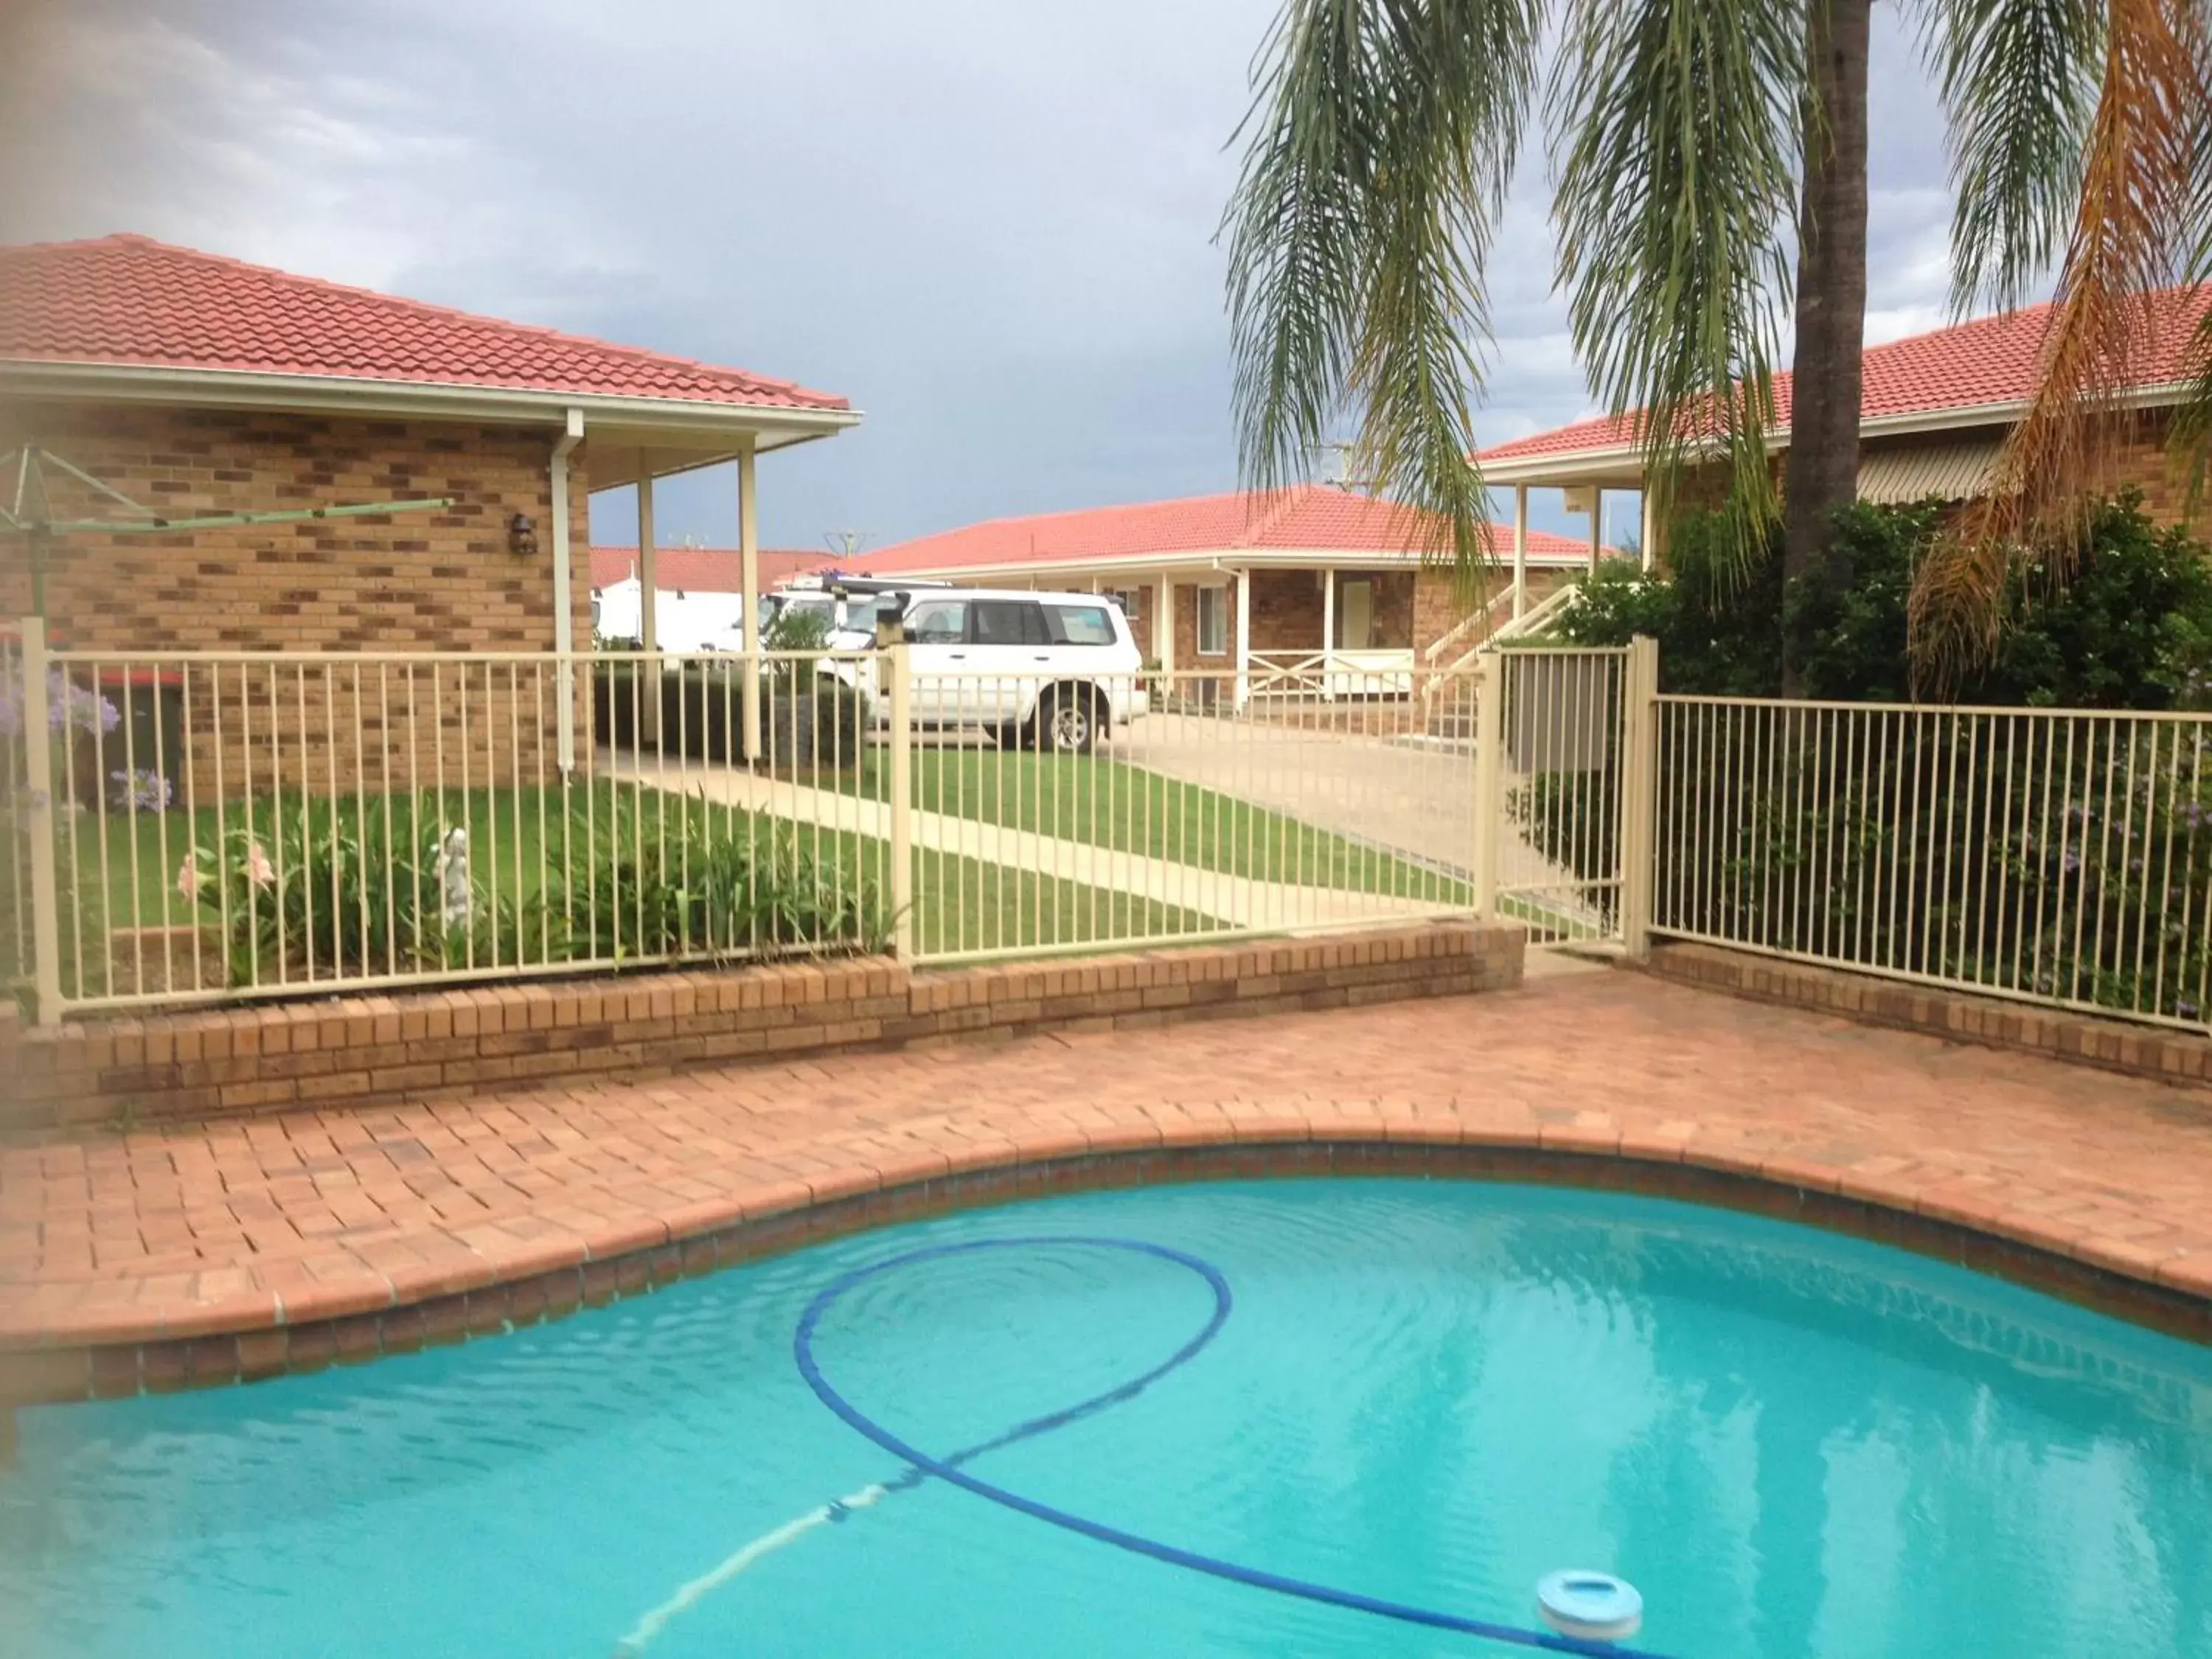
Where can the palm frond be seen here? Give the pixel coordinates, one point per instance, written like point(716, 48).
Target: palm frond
point(2019, 84)
point(1677, 126)
point(2130, 237)
point(1381, 141)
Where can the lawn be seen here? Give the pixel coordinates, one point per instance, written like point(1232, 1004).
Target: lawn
point(1131, 809)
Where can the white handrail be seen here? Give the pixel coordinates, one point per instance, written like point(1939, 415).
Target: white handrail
point(1539, 618)
point(1504, 596)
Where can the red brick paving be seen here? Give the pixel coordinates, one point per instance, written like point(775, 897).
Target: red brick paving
point(241, 1224)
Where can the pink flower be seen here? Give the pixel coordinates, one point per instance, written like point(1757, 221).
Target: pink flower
point(188, 878)
point(258, 871)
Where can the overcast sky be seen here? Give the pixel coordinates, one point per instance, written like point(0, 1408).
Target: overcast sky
point(989, 222)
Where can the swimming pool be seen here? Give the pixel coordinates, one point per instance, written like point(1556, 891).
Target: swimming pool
point(1431, 1393)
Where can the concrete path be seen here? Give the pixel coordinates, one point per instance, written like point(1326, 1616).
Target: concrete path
point(1376, 787)
point(1232, 901)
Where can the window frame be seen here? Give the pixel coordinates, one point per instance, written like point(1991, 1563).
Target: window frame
point(1219, 595)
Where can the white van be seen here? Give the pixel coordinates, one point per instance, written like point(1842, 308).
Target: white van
point(1050, 671)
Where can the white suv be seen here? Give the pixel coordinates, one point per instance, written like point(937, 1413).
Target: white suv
point(1054, 671)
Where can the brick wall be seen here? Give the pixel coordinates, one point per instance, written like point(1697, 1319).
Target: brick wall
point(405, 583)
point(2145, 463)
point(430, 1045)
point(2112, 1045)
point(1286, 610)
point(2142, 462)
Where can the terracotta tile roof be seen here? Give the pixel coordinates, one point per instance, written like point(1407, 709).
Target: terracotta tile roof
point(707, 569)
point(1992, 360)
point(128, 301)
point(1309, 517)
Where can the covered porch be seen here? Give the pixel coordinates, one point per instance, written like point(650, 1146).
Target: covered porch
point(1332, 629)
point(636, 458)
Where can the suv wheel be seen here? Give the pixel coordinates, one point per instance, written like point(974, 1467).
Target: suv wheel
point(1067, 724)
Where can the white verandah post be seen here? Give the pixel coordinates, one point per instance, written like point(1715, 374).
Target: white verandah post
point(1327, 633)
point(648, 574)
point(1597, 524)
point(1163, 626)
point(38, 784)
point(647, 694)
point(1243, 636)
point(1520, 550)
point(749, 567)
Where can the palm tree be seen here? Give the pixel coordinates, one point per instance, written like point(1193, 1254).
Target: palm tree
point(1710, 160)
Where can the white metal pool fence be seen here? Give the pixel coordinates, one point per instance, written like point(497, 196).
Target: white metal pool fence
point(2056, 856)
point(208, 827)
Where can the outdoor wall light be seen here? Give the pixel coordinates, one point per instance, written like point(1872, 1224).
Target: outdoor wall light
point(522, 535)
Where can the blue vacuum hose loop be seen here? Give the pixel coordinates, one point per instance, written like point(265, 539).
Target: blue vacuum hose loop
point(920, 1465)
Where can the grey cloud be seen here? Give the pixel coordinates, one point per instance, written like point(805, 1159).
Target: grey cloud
point(987, 222)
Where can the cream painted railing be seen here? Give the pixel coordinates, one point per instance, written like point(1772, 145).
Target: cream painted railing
point(206, 828)
point(2056, 856)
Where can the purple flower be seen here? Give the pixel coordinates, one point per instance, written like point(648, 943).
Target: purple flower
point(2186, 1008)
point(143, 790)
point(2069, 864)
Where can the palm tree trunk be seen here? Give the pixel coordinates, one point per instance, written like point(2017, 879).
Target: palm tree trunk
point(1822, 470)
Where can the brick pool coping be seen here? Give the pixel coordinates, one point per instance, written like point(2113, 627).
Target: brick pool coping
point(253, 1339)
point(2075, 1235)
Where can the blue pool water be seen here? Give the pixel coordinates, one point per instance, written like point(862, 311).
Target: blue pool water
point(1792, 1442)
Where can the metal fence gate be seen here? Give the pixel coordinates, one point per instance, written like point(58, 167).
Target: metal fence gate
point(1564, 786)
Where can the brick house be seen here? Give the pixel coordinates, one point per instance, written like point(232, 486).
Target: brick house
point(197, 385)
point(1934, 408)
point(1311, 587)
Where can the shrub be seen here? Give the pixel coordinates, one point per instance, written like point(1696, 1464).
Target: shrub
point(326, 895)
point(2132, 629)
point(696, 886)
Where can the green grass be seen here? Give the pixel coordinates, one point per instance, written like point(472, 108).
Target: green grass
point(533, 843)
point(1131, 809)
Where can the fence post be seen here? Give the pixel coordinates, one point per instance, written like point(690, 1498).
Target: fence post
point(1489, 778)
point(1639, 795)
point(901, 788)
point(39, 787)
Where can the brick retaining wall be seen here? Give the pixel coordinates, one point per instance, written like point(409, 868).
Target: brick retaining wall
point(2150, 1051)
point(438, 1044)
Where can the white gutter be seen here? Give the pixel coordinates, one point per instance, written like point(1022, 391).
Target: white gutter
point(776, 424)
point(564, 606)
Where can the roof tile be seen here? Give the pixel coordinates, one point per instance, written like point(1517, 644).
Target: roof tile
point(1992, 360)
point(125, 300)
point(1307, 517)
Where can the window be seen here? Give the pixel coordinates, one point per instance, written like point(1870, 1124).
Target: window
point(1081, 624)
point(938, 622)
point(1008, 621)
point(1129, 600)
point(1355, 616)
point(1213, 621)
